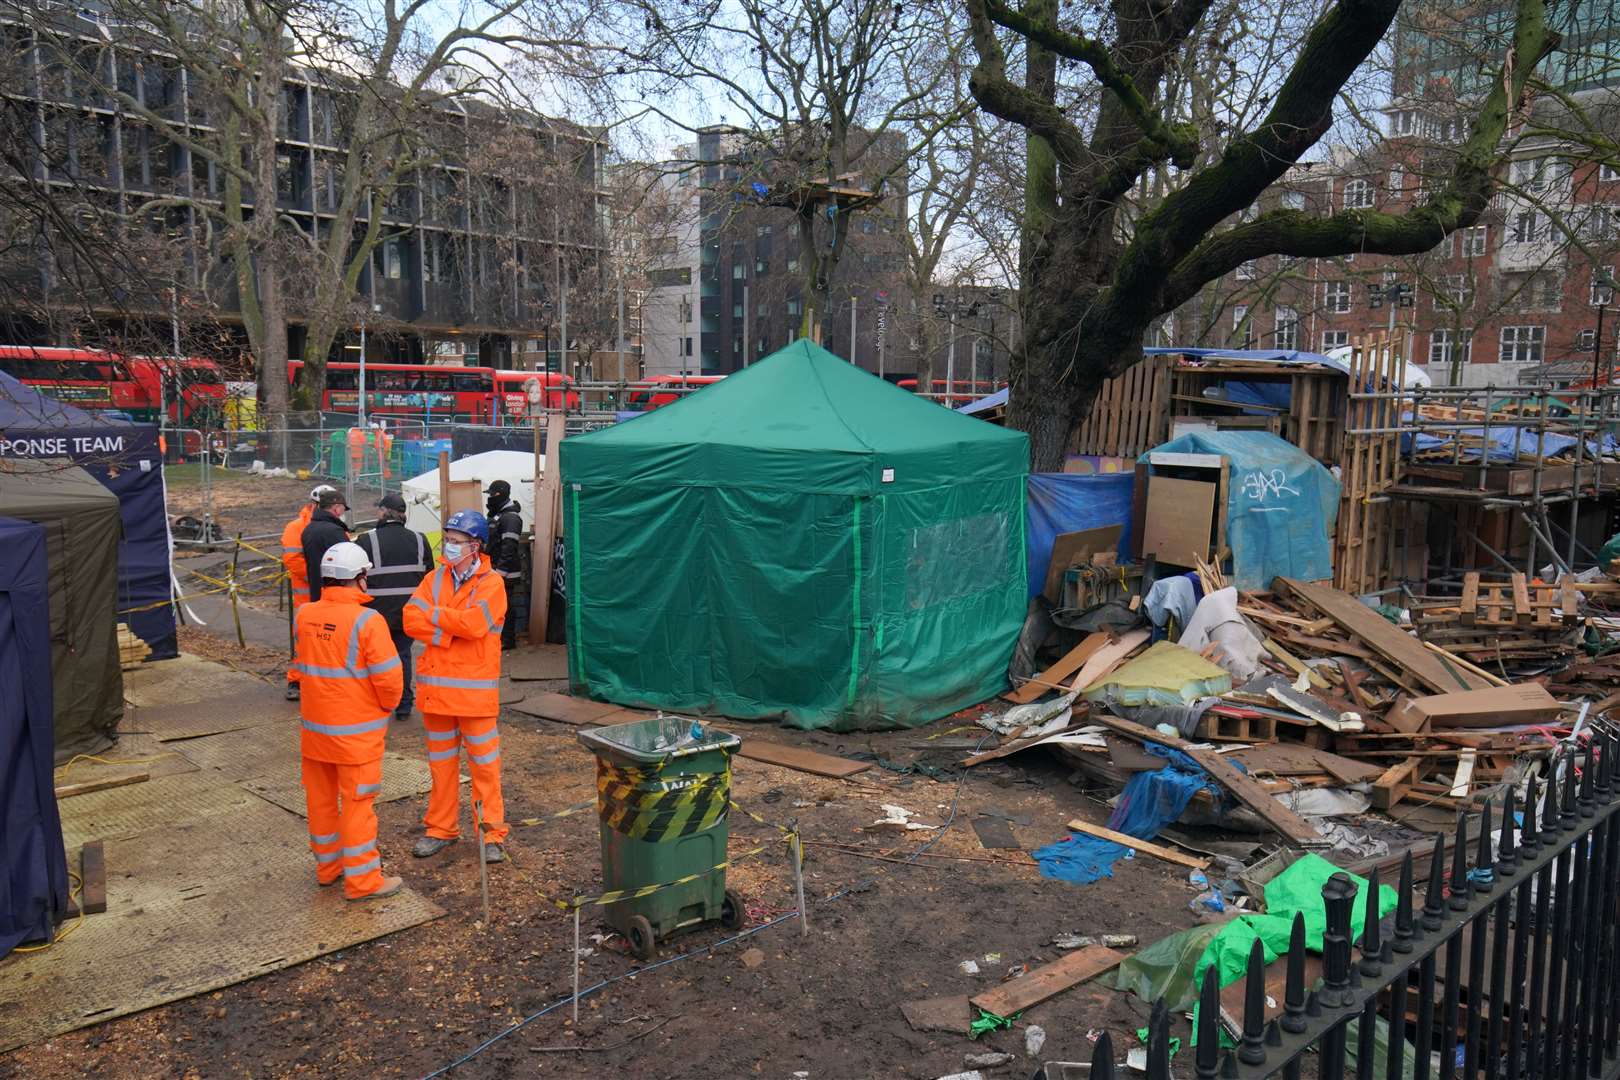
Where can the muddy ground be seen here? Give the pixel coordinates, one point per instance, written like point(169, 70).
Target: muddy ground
point(884, 928)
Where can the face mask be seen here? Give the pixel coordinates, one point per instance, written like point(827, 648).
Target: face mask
point(453, 551)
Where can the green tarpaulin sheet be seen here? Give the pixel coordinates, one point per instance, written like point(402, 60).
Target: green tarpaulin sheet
point(802, 541)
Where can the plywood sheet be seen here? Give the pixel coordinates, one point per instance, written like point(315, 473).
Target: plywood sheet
point(535, 662)
point(572, 710)
point(250, 906)
point(952, 1014)
point(1179, 519)
point(161, 803)
point(796, 757)
point(226, 712)
point(402, 777)
point(1069, 549)
point(1066, 665)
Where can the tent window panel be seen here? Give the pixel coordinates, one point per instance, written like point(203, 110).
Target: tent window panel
point(955, 558)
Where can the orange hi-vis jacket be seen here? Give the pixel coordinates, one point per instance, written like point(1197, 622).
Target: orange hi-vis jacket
point(292, 554)
point(350, 677)
point(459, 673)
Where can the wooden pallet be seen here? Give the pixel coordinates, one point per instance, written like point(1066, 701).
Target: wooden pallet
point(1218, 727)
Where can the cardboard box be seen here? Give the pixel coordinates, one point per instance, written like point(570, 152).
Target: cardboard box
point(1498, 706)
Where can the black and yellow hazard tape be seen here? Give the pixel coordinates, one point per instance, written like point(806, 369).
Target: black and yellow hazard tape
point(567, 811)
point(643, 805)
point(616, 896)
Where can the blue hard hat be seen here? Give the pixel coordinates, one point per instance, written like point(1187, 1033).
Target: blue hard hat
point(470, 522)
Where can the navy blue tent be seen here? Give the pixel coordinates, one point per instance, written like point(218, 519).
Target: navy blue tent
point(126, 459)
point(35, 893)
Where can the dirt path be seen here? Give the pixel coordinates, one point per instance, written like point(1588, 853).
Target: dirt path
point(819, 1007)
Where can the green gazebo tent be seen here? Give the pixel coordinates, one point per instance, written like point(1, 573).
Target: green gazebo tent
point(802, 541)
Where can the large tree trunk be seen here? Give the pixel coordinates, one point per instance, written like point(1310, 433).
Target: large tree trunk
point(272, 350)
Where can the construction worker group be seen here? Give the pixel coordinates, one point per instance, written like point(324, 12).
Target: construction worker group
point(359, 609)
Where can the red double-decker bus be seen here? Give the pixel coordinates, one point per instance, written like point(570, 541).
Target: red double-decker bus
point(964, 390)
point(84, 378)
point(192, 387)
point(419, 391)
point(656, 391)
point(512, 393)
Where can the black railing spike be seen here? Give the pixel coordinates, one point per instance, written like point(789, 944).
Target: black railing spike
point(1588, 799)
point(1207, 1056)
point(1605, 772)
point(1293, 1018)
point(1484, 875)
point(1273, 1034)
point(1313, 1004)
point(1158, 1063)
point(1370, 930)
point(1566, 809)
point(1338, 894)
point(1252, 1049)
point(1549, 808)
point(1507, 851)
point(1229, 1066)
point(1527, 835)
point(1434, 894)
point(1458, 884)
point(1386, 955)
point(1403, 906)
point(1102, 1058)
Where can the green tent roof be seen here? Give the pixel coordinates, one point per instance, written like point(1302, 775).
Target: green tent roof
point(800, 419)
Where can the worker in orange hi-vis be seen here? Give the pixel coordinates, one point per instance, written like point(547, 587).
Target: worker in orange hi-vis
point(458, 611)
point(292, 557)
point(352, 681)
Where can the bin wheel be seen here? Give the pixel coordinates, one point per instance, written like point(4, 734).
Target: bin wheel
point(732, 914)
point(642, 941)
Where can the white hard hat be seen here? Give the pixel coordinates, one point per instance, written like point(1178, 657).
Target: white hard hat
point(344, 562)
point(318, 490)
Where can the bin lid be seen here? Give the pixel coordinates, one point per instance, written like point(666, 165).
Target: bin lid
point(659, 738)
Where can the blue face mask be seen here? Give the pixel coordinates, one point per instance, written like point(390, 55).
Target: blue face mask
point(454, 551)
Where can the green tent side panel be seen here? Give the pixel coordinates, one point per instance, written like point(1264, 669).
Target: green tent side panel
point(799, 579)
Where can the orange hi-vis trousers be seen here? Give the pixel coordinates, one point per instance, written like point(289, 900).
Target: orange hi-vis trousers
point(482, 738)
point(343, 823)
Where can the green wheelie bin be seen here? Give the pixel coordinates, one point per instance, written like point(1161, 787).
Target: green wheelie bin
point(663, 786)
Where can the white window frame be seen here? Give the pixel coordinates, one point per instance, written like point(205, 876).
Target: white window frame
point(1292, 200)
point(1476, 241)
point(1336, 297)
point(1523, 344)
point(1538, 223)
point(1601, 295)
point(1357, 195)
point(1245, 271)
point(1586, 340)
point(1286, 318)
point(1444, 343)
point(1240, 312)
point(1397, 180)
point(1335, 339)
point(1608, 173)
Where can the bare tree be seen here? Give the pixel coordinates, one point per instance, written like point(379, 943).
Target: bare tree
point(1096, 279)
point(835, 97)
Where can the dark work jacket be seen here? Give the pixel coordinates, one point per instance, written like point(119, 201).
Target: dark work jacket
point(400, 559)
point(506, 540)
point(324, 530)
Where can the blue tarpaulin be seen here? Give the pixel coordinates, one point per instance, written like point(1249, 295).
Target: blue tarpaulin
point(36, 887)
point(1281, 505)
point(1062, 503)
point(1151, 800)
point(125, 458)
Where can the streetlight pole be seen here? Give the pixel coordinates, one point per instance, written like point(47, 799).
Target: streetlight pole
point(362, 381)
point(950, 360)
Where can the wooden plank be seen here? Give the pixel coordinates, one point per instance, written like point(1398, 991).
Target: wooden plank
point(571, 710)
point(93, 870)
point(1470, 598)
point(1027, 991)
point(1521, 601)
point(1295, 664)
point(67, 791)
point(548, 499)
point(1233, 1000)
point(1569, 603)
point(1106, 659)
point(1144, 846)
point(1243, 788)
point(797, 757)
point(1402, 650)
point(1071, 662)
point(1464, 775)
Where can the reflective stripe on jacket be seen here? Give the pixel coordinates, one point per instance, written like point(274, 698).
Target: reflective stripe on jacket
point(399, 559)
point(460, 671)
point(292, 553)
point(350, 677)
point(506, 540)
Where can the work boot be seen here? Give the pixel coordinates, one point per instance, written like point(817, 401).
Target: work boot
point(402, 713)
point(494, 853)
point(292, 691)
point(390, 886)
point(428, 846)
